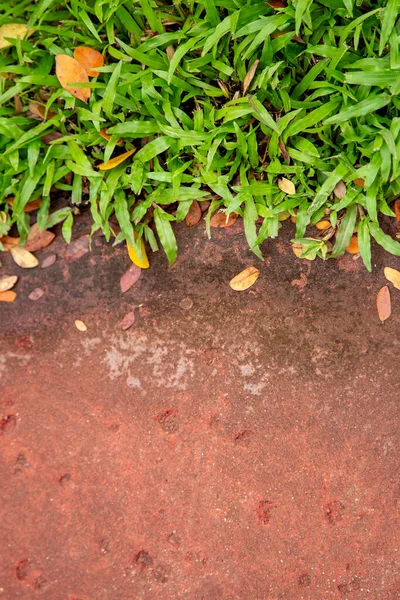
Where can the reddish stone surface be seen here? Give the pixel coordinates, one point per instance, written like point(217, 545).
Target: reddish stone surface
point(243, 448)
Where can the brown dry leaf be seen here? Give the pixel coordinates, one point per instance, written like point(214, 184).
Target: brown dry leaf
point(80, 325)
point(204, 205)
point(8, 296)
point(353, 247)
point(127, 321)
point(297, 249)
point(18, 105)
point(359, 181)
point(170, 51)
point(38, 239)
point(107, 136)
point(76, 249)
point(36, 294)
point(12, 30)
point(383, 303)
point(276, 4)
point(69, 71)
point(39, 111)
point(49, 261)
point(391, 275)
point(223, 87)
point(129, 278)
point(7, 283)
point(194, 214)
point(9, 242)
point(340, 189)
point(90, 59)
point(286, 186)
point(245, 279)
point(396, 207)
point(250, 76)
point(23, 258)
point(34, 205)
point(219, 219)
point(117, 160)
point(321, 225)
point(51, 137)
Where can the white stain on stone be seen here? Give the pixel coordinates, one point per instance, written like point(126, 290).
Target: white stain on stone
point(254, 389)
point(8, 360)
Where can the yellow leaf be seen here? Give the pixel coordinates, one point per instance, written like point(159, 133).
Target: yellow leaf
point(286, 186)
point(70, 71)
point(12, 30)
point(7, 283)
point(393, 276)
point(80, 325)
point(245, 279)
point(143, 262)
point(282, 216)
point(23, 258)
point(117, 160)
point(321, 225)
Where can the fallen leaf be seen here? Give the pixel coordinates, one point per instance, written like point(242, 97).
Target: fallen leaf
point(76, 249)
point(282, 216)
point(340, 189)
point(69, 71)
point(7, 283)
point(245, 279)
point(219, 219)
point(51, 137)
point(250, 76)
point(117, 160)
point(204, 205)
point(397, 209)
point(383, 303)
point(30, 206)
point(276, 4)
point(129, 278)
point(359, 181)
point(194, 214)
point(18, 105)
point(391, 275)
point(39, 111)
point(127, 321)
point(36, 294)
point(24, 258)
point(286, 186)
point(80, 325)
point(89, 59)
point(9, 242)
point(170, 51)
point(12, 30)
point(38, 239)
point(103, 133)
point(224, 88)
point(353, 247)
point(143, 262)
point(7, 296)
point(49, 261)
point(297, 249)
point(321, 225)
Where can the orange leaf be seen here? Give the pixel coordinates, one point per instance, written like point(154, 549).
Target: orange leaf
point(383, 303)
point(8, 296)
point(117, 160)
point(34, 205)
point(70, 71)
point(321, 225)
point(397, 210)
point(219, 219)
point(359, 181)
point(194, 214)
point(103, 133)
point(38, 239)
point(353, 248)
point(9, 242)
point(89, 59)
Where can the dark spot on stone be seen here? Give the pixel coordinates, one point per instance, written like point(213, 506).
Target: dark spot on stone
point(105, 546)
point(168, 421)
point(343, 588)
point(114, 427)
point(39, 582)
point(143, 558)
point(25, 343)
point(333, 511)
point(264, 511)
point(21, 464)
point(305, 580)
point(160, 574)
point(66, 480)
point(174, 539)
point(242, 437)
point(22, 569)
point(7, 424)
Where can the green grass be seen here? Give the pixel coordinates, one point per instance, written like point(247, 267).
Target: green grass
point(322, 107)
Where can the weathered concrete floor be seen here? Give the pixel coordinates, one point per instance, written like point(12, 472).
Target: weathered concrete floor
point(246, 448)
